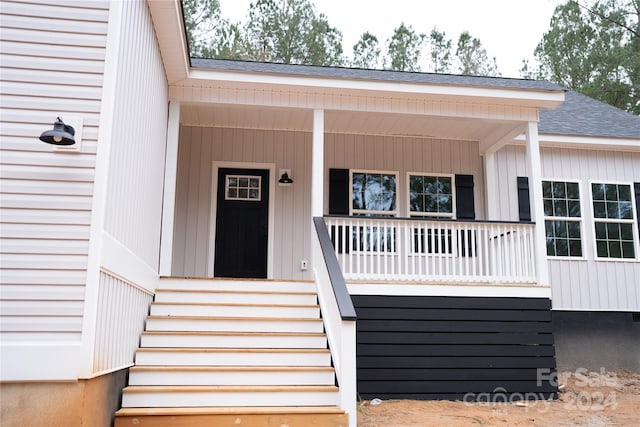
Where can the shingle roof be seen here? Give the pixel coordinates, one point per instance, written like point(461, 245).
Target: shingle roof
point(380, 75)
point(578, 115)
point(582, 115)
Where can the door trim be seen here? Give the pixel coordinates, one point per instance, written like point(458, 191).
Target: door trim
point(215, 166)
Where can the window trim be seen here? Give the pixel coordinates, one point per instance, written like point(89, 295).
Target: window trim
point(579, 219)
point(411, 214)
point(355, 212)
point(633, 220)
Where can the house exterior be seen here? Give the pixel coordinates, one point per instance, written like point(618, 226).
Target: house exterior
point(476, 229)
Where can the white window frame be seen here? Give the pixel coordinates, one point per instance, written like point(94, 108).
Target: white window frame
point(366, 212)
point(579, 219)
point(633, 221)
point(451, 215)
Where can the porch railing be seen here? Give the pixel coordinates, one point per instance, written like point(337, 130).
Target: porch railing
point(427, 250)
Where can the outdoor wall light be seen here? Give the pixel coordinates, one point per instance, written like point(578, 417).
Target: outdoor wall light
point(61, 134)
point(285, 179)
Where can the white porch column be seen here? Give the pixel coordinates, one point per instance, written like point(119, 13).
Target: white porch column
point(170, 182)
point(491, 185)
point(317, 165)
point(537, 207)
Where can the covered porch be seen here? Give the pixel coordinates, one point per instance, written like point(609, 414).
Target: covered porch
point(436, 219)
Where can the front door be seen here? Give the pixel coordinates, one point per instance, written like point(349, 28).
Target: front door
point(242, 223)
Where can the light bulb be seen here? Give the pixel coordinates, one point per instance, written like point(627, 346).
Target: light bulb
point(57, 138)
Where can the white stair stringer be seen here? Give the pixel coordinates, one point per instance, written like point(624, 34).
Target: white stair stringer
point(232, 343)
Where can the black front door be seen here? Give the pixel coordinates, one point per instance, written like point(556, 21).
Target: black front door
point(242, 223)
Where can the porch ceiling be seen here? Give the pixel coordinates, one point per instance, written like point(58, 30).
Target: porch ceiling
point(367, 123)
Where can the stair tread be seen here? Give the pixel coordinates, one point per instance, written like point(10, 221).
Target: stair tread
point(231, 291)
point(263, 319)
point(235, 279)
point(243, 334)
point(223, 304)
point(232, 350)
point(228, 388)
point(169, 368)
point(245, 410)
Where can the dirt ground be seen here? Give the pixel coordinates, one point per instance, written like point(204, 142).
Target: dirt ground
point(593, 399)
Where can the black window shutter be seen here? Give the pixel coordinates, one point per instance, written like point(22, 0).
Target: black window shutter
point(636, 189)
point(465, 203)
point(339, 191)
point(524, 203)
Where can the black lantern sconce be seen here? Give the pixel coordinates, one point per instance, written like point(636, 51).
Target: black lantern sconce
point(285, 179)
point(61, 134)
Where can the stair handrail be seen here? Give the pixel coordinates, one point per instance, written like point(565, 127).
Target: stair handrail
point(338, 314)
point(338, 284)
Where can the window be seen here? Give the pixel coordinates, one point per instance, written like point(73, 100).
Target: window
point(562, 218)
point(373, 193)
point(431, 196)
point(243, 188)
point(613, 220)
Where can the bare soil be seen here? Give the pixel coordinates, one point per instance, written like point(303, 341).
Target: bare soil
point(593, 399)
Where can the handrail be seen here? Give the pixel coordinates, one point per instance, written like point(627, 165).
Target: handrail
point(426, 218)
point(343, 299)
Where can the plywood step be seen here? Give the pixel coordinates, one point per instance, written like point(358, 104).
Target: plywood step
point(234, 310)
point(182, 339)
point(234, 297)
point(190, 396)
point(232, 357)
point(233, 324)
point(231, 375)
point(302, 416)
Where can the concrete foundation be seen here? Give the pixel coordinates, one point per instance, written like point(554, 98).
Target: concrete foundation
point(84, 403)
point(595, 340)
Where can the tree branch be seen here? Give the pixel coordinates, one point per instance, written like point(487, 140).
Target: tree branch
point(607, 18)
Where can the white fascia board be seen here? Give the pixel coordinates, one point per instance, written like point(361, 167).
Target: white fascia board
point(168, 24)
point(539, 98)
point(493, 291)
point(586, 142)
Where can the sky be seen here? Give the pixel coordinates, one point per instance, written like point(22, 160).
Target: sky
point(509, 30)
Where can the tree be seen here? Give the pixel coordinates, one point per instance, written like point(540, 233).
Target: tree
point(404, 49)
point(289, 31)
point(366, 52)
point(595, 49)
point(440, 51)
point(201, 18)
point(472, 57)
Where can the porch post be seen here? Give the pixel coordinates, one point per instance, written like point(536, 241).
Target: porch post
point(537, 207)
point(317, 165)
point(170, 181)
point(491, 186)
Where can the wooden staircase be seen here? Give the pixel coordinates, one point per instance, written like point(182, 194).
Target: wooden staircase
point(232, 352)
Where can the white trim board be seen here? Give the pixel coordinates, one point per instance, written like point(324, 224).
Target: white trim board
point(497, 291)
point(37, 361)
point(271, 167)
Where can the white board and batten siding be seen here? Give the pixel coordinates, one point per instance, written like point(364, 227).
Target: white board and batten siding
point(46, 196)
point(199, 148)
point(584, 284)
point(404, 155)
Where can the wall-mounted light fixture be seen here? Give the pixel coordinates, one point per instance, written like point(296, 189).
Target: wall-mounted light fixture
point(61, 134)
point(285, 177)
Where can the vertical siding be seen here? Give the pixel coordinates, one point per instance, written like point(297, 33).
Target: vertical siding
point(199, 147)
point(46, 196)
point(407, 155)
point(578, 284)
point(136, 166)
point(123, 308)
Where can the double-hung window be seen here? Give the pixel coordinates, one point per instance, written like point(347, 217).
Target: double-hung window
point(374, 193)
point(431, 196)
point(563, 218)
point(613, 217)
